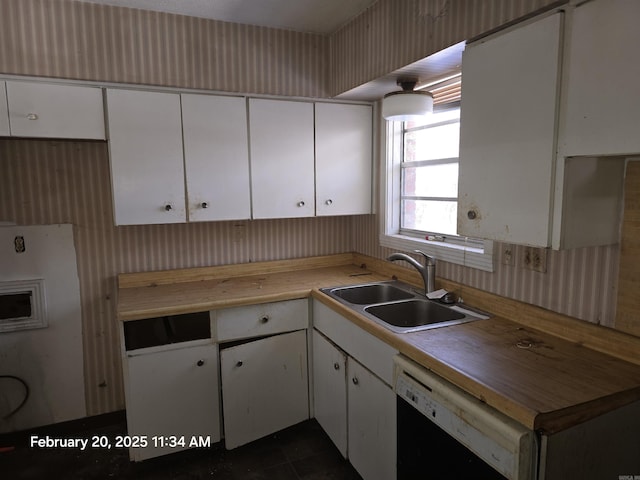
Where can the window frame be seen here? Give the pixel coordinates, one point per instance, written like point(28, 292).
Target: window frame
point(404, 165)
point(458, 250)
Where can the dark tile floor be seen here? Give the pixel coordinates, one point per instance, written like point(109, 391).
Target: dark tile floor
point(300, 452)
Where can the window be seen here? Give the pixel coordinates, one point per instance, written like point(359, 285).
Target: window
point(430, 173)
point(420, 184)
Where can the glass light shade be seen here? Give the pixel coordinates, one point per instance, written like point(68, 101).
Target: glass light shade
point(406, 105)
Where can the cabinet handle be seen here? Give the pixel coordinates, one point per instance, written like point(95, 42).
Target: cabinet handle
point(472, 214)
point(239, 364)
point(328, 202)
point(168, 207)
point(204, 205)
point(264, 319)
point(32, 116)
point(355, 380)
point(200, 363)
point(336, 366)
point(301, 203)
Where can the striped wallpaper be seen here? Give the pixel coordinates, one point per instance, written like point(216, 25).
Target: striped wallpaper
point(580, 283)
point(69, 39)
point(43, 182)
point(395, 33)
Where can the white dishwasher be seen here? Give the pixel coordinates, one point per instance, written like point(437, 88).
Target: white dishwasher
point(443, 432)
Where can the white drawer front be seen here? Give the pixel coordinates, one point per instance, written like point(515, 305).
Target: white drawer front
point(264, 319)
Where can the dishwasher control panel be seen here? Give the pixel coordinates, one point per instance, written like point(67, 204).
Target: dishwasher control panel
point(501, 442)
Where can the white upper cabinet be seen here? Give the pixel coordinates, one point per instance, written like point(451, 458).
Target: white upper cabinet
point(216, 157)
point(4, 111)
point(145, 147)
point(508, 134)
point(55, 111)
point(282, 158)
point(343, 159)
point(602, 91)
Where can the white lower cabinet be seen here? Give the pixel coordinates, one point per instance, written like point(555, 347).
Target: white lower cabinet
point(264, 386)
point(353, 398)
point(172, 399)
point(371, 424)
point(330, 390)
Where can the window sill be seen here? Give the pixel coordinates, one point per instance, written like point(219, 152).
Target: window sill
point(469, 256)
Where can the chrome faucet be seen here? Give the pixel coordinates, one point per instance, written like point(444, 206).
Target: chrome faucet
point(428, 270)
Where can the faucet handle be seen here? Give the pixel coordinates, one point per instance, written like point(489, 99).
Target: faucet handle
point(428, 259)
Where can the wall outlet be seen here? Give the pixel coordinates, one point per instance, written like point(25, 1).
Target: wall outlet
point(508, 255)
point(535, 259)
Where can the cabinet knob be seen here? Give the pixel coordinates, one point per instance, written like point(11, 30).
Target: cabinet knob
point(328, 202)
point(301, 203)
point(168, 207)
point(204, 205)
point(239, 363)
point(336, 366)
point(472, 214)
point(355, 380)
point(200, 363)
point(32, 116)
point(264, 319)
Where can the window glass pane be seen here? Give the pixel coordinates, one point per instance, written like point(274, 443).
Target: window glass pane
point(431, 180)
point(432, 143)
point(430, 216)
point(450, 114)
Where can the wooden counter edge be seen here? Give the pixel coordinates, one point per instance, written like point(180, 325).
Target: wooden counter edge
point(141, 314)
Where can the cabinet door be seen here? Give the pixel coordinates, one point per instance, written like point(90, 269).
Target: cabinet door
point(216, 155)
point(145, 147)
point(282, 158)
point(173, 393)
point(55, 111)
point(343, 159)
point(507, 134)
point(372, 424)
point(330, 390)
point(4, 111)
point(264, 387)
point(602, 96)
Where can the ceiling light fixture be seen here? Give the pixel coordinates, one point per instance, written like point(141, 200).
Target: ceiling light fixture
point(406, 104)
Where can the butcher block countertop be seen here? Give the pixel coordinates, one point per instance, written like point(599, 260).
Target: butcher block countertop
point(544, 370)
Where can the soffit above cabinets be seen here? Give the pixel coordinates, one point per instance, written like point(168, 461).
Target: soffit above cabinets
point(312, 16)
point(430, 69)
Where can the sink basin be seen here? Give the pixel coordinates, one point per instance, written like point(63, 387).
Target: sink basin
point(399, 307)
point(414, 313)
point(372, 293)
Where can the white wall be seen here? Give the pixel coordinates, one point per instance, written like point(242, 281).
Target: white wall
point(49, 359)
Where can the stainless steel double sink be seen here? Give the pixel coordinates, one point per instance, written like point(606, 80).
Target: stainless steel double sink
point(399, 307)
